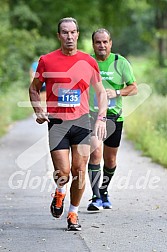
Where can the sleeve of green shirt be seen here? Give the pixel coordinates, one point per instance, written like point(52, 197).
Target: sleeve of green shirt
point(127, 73)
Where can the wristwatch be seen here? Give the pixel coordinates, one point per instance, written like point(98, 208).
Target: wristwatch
point(102, 118)
point(118, 92)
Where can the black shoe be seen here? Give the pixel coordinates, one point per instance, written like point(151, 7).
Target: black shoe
point(95, 205)
point(72, 220)
point(57, 205)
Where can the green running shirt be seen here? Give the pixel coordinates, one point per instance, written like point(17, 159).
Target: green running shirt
point(115, 75)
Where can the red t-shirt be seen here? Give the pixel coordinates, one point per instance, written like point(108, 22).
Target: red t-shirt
point(67, 81)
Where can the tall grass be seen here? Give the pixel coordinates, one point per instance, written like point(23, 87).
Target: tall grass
point(10, 111)
point(147, 125)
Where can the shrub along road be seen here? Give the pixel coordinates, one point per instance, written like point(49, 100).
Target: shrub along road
point(137, 222)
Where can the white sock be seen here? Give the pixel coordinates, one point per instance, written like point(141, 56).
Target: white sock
point(62, 189)
point(73, 209)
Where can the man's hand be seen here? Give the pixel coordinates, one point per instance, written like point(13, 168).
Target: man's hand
point(100, 130)
point(111, 93)
point(42, 117)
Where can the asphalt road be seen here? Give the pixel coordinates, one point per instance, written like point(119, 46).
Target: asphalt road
point(137, 222)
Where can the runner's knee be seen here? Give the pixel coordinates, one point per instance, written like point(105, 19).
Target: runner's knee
point(95, 156)
point(60, 178)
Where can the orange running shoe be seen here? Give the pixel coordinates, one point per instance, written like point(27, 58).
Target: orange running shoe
point(72, 220)
point(57, 205)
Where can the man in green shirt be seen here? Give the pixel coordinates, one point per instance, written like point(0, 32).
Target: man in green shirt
point(118, 80)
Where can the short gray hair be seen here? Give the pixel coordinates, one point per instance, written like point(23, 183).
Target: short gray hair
point(67, 19)
point(101, 30)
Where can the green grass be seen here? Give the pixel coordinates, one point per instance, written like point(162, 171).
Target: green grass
point(10, 111)
point(147, 128)
point(147, 125)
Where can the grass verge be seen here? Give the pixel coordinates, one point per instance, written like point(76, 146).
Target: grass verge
point(10, 111)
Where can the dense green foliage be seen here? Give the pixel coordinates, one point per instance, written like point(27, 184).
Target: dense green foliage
point(28, 29)
point(18, 48)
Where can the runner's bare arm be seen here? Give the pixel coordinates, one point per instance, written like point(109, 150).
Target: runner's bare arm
point(34, 92)
point(100, 125)
point(126, 91)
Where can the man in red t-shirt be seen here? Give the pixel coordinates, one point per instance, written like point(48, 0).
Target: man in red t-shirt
point(68, 74)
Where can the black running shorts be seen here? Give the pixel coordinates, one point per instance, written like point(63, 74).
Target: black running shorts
point(63, 134)
point(114, 131)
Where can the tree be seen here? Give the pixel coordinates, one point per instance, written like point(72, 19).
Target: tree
point(160, 16)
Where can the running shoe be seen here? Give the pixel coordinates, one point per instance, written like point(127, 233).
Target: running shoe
point(105, 201)
point(57, 205)
point(73, 224)
point(95, 205)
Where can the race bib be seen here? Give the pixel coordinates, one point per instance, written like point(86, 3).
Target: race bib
point(111, 102)
point(69, 98)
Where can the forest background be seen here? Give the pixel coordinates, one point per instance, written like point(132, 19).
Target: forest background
point(139, 32)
